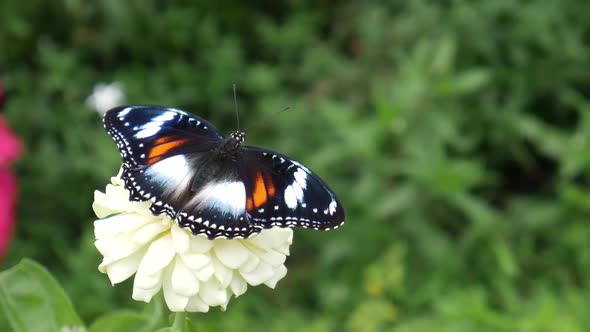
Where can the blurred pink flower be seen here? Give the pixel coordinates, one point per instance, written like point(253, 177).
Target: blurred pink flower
point(1, 95)
point(10, 145)
point(10, 150)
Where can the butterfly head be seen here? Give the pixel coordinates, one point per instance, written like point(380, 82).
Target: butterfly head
point(239, 137)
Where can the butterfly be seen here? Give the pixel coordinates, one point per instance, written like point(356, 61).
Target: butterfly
point(214, 185)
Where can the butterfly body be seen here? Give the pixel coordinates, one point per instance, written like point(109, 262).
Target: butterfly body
point(214, 185)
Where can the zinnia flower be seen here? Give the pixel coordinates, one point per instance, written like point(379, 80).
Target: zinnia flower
point(195, 273)
point(10, 149)
point(105, 96)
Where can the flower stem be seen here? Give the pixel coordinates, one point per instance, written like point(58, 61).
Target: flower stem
point(179, 324)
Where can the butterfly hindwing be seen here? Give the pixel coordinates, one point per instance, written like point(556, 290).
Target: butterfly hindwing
point(196, 189)
point(282, 192)
point(148, 134)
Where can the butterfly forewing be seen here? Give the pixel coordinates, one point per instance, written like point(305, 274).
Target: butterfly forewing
point(148, 134)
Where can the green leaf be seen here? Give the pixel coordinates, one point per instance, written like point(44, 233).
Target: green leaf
point(470, 81)
point(147, 320)
point(189, 326)
point(120, 321)
point(180, 323)
point(32, 300)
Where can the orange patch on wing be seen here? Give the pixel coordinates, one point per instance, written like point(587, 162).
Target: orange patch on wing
point(249, 204)
point(270, 186)
point(161, 149)
point(259, 194)
point(154, 160)
point(164, 139)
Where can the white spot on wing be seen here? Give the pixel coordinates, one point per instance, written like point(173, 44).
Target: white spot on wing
point(152, 127)
point(298, 191)
point(291, 197)
point(147, 132)
point(301, 178)
point(226, 197)
point(176, 110)
point(332, 207)
point(298, 186)
point(166, 116)
point(125, 111)
point(294, 192)
point(173, 173)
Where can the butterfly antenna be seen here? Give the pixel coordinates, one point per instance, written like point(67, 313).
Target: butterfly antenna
point(236, 107)
point(272, 114)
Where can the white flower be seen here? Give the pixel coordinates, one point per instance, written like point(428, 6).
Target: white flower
point(194, 272)
point(105, 96)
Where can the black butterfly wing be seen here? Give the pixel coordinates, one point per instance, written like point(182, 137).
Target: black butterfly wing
point(199, 190)
point(148, 134)
point(282, 192)
point(168, 157)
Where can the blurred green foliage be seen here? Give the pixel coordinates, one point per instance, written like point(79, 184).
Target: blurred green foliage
point(456, 133)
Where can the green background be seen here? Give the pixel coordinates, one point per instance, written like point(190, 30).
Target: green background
point(456, 134)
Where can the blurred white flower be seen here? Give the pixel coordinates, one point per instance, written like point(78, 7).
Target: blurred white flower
point(105, 96)
point(194, 272)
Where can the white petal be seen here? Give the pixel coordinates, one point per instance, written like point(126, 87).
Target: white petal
point(261, 274)
point(205, 273)
point(250, 264)
point(175, 301)
point(148, 232)
point(145, 294)
point(273, 258)
point(222, 273)
point(184, 280)
point(121, 196)
point(122, 269)
point(195, 304)
point(115, 248)
point(231, 253)
point(200, 244)
point(158, 255)
point(181, 239)
point(105, 205)
point(117, 224)
point(283, 249)
point(117, 194)
point(195, 261)
point(238, 285)
point(115, 200)
point(212, 294)
point(116, 180)
point(228, 297)
point(272, 238)
point(147, 281)
point(279, 273)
